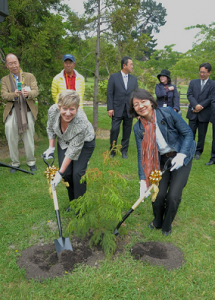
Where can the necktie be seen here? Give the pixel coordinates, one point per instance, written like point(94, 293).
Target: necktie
point(126, 81)
point(202, 84)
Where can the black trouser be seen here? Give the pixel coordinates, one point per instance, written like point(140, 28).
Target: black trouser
point(114, 133)
point(76, 169)
point(202, 130)
point(213, 143)
point(169, 196)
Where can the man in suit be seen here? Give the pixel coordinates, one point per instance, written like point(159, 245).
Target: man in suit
point(120, 87)
point(200, 94)
point(19, 89)
point(212, 120)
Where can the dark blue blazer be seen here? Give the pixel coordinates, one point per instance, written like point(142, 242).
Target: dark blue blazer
point(117, 95)
point(204, 97)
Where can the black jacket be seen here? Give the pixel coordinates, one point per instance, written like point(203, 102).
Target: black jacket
point(204, 98)
point(117, 95)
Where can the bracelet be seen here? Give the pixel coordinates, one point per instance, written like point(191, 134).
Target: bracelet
point(61, 174)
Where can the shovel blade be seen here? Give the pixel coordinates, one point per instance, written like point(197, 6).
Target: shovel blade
point(63, 244)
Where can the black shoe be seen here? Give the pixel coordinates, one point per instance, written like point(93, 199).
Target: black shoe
point(68, 209)
point(197, 156)
point(151, 226)
point(166, 233)
point(112, 155)
point(211, 162)
point(124, 155)
point(33, 168)
point(12, 170)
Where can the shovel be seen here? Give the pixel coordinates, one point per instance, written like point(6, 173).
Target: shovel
point(167, 166)
point(61, 243)
point(15, 168)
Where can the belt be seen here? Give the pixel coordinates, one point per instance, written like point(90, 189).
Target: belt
point(170, 154)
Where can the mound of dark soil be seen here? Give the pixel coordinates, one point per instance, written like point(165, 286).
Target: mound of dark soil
point(157, 253)
point(42, 262)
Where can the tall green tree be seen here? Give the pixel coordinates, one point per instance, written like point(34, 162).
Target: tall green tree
point(114, 21)
point(34, 32)
point(150, 17)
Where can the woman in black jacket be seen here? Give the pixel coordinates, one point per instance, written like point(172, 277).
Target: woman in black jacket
point(167, 94)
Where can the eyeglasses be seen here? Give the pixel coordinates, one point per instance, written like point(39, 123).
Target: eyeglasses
point(138, 104)
point(15, 63)
point(202, 72)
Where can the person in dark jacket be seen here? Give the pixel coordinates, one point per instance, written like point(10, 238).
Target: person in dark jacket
point(120, 86)
point(161, 133)
point(200, 94)
point(167, 94)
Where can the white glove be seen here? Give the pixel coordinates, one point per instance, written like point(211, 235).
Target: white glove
point(57, 178)
point(143, 189)
point(49, 151)
point(178, 161)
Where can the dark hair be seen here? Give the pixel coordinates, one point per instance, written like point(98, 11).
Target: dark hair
point(206, 66)
point(10, 54)
point(124, 61)
point(140, 94)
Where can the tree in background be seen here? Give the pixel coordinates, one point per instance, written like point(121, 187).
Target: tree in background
point(34, 32)
point(203, 50)
point(114, 21)
point(150, 17)
point(160, 59)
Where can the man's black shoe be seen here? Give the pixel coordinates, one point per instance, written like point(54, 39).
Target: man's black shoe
point(124, 155)
point(12, 170)
point(112, 155)
point(33, 168)
point(211, 162)
point(197, 156)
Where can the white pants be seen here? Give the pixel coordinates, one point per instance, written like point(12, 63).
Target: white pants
point(11, 131)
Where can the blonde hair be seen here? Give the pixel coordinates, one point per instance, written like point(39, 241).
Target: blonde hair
point(68, 98)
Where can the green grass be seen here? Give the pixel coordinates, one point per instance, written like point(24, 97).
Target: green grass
point(89, 82)
point(183, 91)
point(26, 209)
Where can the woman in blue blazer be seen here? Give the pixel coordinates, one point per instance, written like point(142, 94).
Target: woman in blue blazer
point(161, 133)
point(167, 94)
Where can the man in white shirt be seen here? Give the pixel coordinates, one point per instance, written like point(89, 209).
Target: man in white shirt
point(120, 87)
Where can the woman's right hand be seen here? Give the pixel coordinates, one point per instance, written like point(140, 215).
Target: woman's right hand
point(171, 88)
point(143, 189)
point(48, 152)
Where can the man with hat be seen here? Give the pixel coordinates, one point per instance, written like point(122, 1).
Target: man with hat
point(68, 79)
point(167, 94)
point(20, 90)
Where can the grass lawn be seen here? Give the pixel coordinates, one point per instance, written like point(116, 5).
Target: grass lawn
point(27, 209)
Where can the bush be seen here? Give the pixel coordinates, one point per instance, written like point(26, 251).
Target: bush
point(100, 209)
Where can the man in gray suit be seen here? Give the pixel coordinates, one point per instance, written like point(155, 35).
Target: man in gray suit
point(200, 94)
point(120, 87)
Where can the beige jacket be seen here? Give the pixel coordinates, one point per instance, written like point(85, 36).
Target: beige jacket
point(7, 95)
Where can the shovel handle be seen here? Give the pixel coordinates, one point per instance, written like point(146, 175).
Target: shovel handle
point(56, 208)
point(54, 196)
point(51, 156)
point(141, 199)
point(15, 168)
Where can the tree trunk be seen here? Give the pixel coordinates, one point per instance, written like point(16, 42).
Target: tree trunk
point(96, 80)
